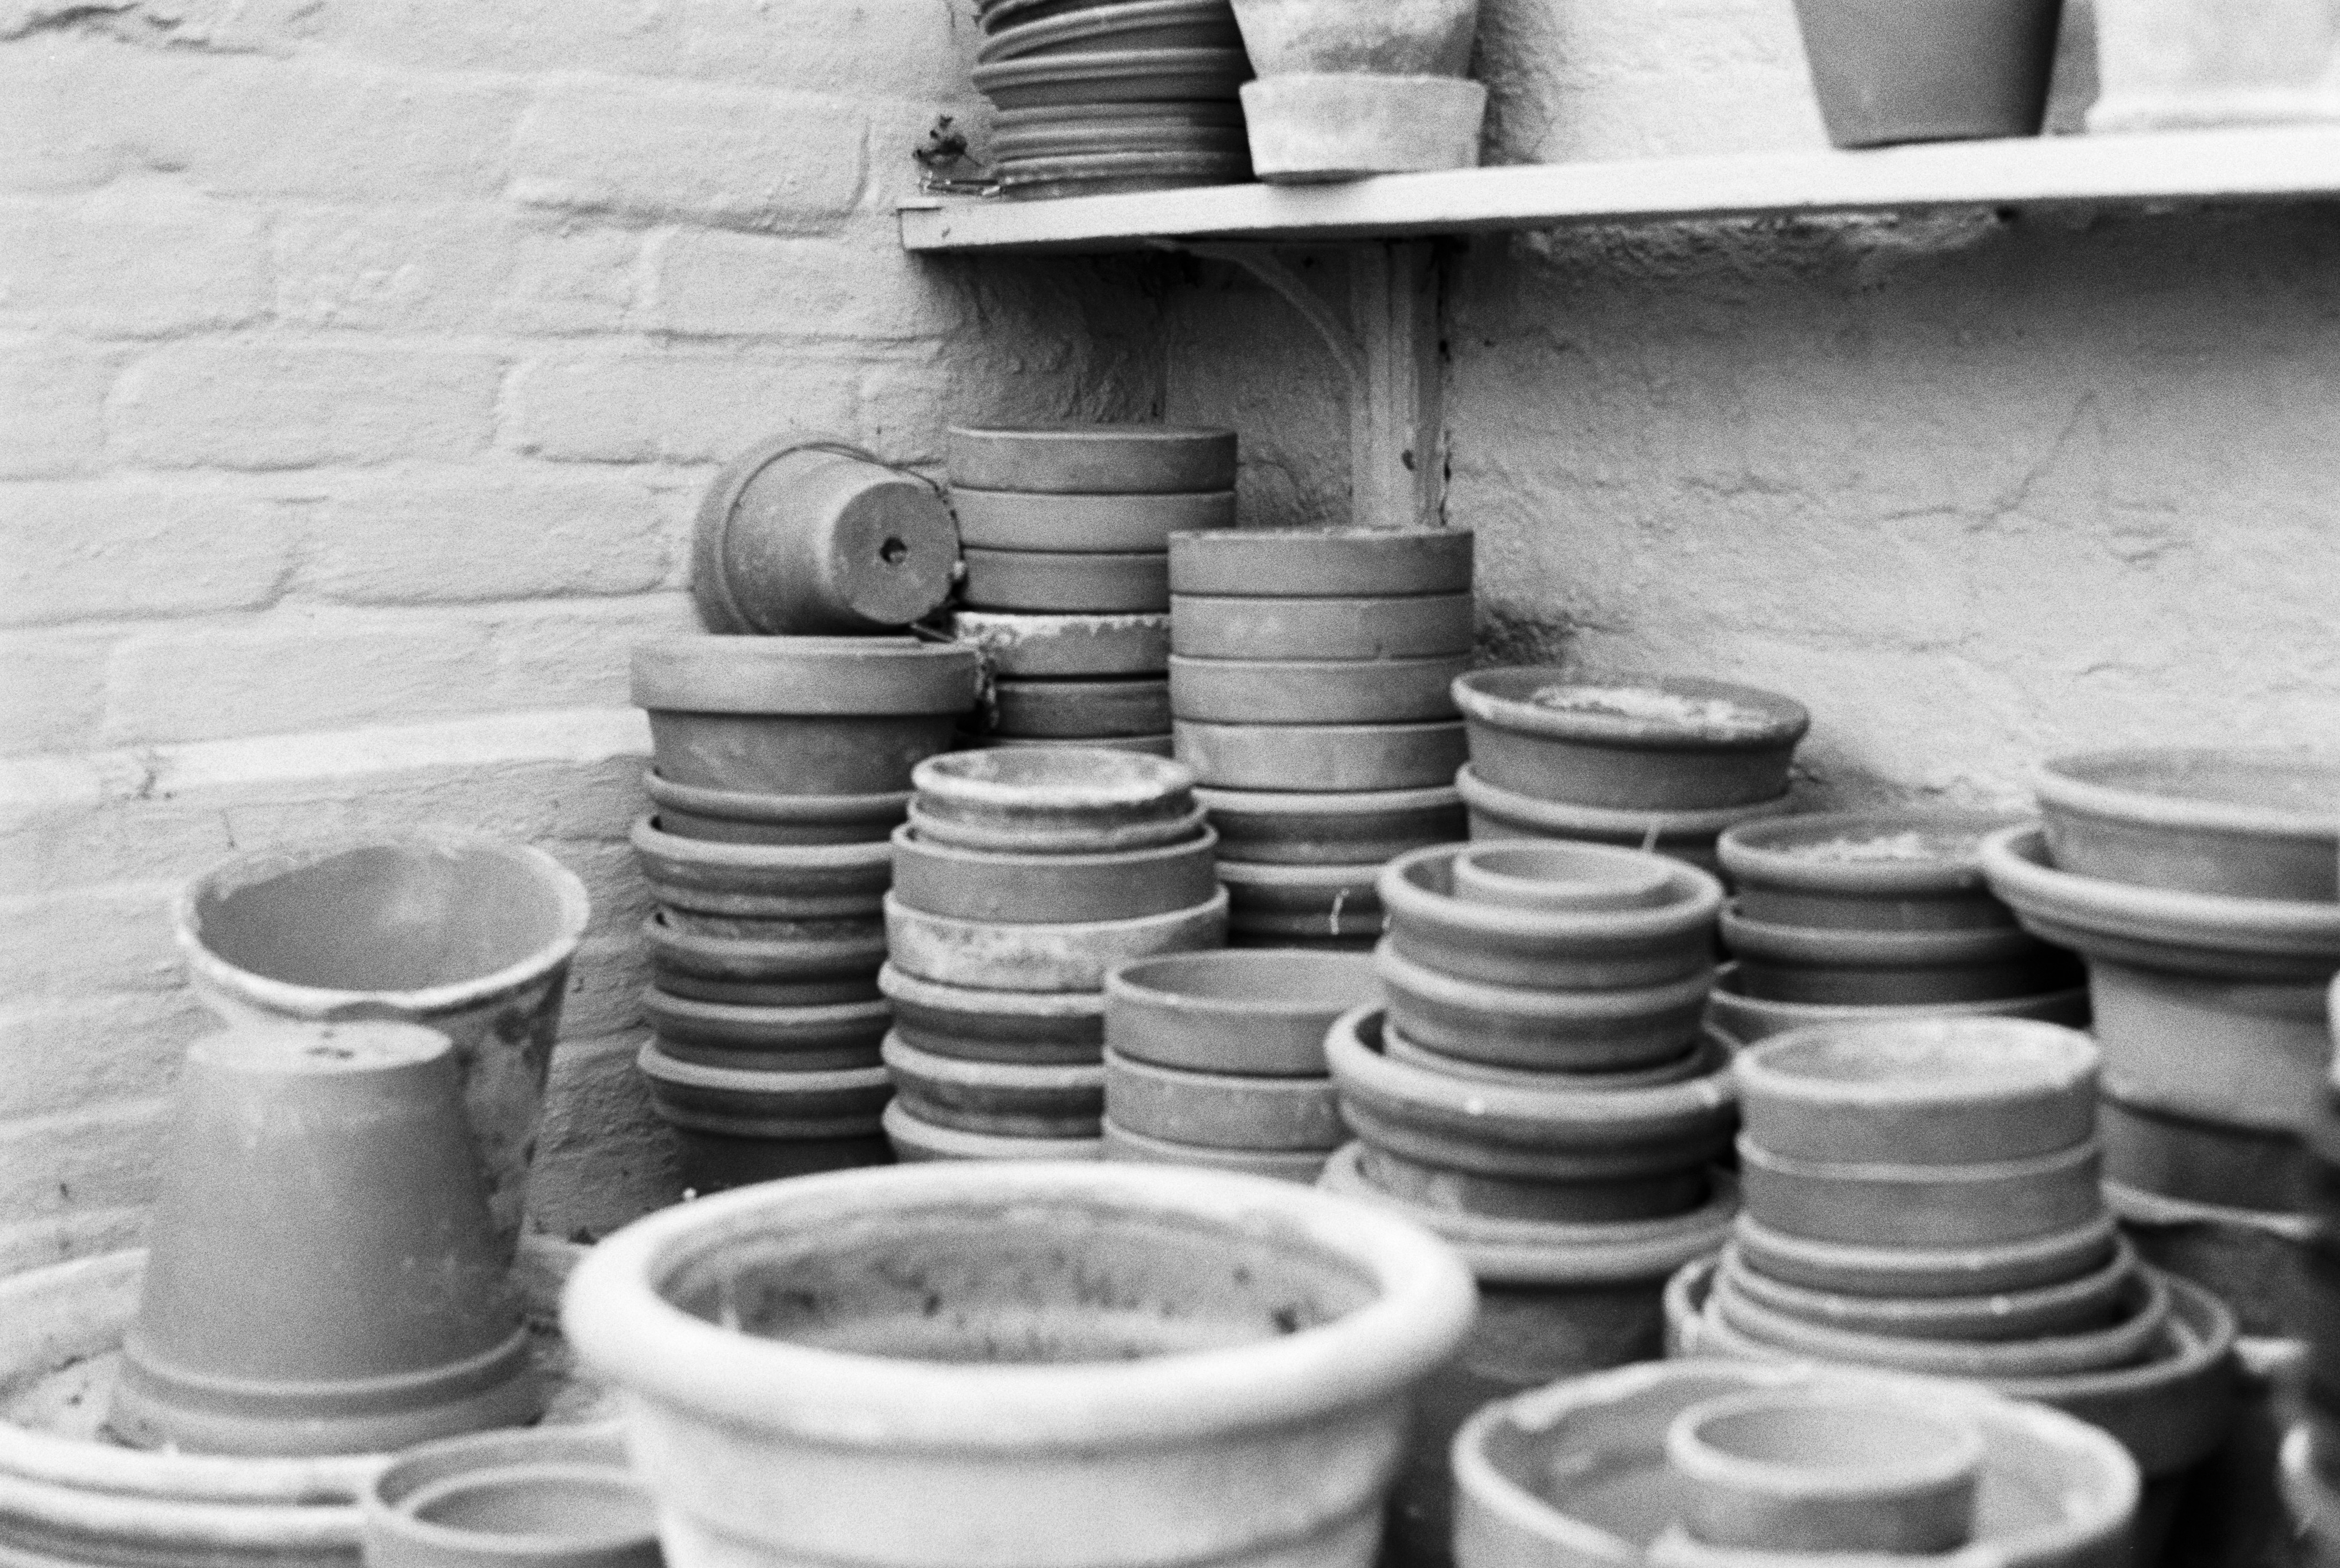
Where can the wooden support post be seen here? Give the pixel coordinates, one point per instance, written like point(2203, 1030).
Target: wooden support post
point(1397, 435)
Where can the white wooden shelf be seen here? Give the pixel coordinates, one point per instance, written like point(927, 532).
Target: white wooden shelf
point(2161, 169)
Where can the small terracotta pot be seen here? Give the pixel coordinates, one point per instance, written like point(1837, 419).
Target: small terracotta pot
point(806, 1106)
point(1631, 743)
point(762, 881)
point(1328, 902)
point(778, 1039)
point(1866, 871)
point(1075, 957)
point(1925, 1205)
point(1390, 626)
point(1080, 710)
point(1100, 524)
point(1314, 691)
point(1051, 889)
point(2236, 823)
point(1746, 1020)
point(1038, 1028)
point(1093, 460)
point(801, 715)
point(733, 817)
point(1686, 835)
point(1930, 1092)
point(1778, 1470)
point(1063, 647)
point(1557, 877)
point(1222, 1110)
point(1348, 828)
point(803, 535)
point(843, 952)
point(1301, 1167)
point(1250, 1015)
point(1053, 798)
point(1899, 1271)
point(1159, 745)
point(2083, 1303)
point(1066, 583)
point(1319, 758)
point(917, 1141)
point(1000, 1100)
point(1891, 968)
point(545, 1499)
point(1308, 130)
point(1407, 38)
point(324, 1276)
point(1955, 71)
point(1322, 563)
point(1611, 1029)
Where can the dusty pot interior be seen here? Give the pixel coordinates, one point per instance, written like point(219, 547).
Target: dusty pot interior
point(1557, 876)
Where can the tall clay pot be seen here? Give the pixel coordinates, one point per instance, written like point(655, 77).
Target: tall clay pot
point(1892, 71)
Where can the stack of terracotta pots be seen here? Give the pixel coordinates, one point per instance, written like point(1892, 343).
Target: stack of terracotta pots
point(1869, 917)
point(783, 764)
point(1020, 880)
point(1539, 1092)
point(1923, 1197)
point(2311, 1453)
point(1658, 762)
point(1067, 592)
point(1310, 678)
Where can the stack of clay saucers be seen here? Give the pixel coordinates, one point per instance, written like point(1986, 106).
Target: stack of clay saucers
point(1102, 96)
point(1310, 677)
point(1660, 762)
point(1066, 534)
point(1922, 1197)
point(1020, 879)
point(782, 764)
point(1217, 1060)
point(1871, 917)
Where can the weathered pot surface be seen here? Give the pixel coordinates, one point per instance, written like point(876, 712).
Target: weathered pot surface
point(811, 951)
point(1062, 647)
point(996, 1026)
point(817, 1038)
point(545, 1499)
point(1878, 1204)
point(766, 881)
point(1159, 745)
point(1315, 759)
point(1629, 742)
point(1245, 1391)
point(1080, 710)
point(1313, 129)
point(1063, 798)
point(465, 933)
point(1934, 1091)
point(824, 991)
point(1350, 828)
point(1891, 968)
point(1333, 903)
point(1692, 1063)
point(1003, 1099)
point(917, 1141)
point(1255, 1014)
point(1322, 563)
point(2084, 1301)
point(1314, 691)
point(1145, 24)
point(1596, 1200)
point(1405, 37)
point(1301, 1166)
point(1685, 836)
point(1974, 69)
point(1379, 627)
point(1550, 876)
point(737, 817)
point(1905, 1271)
point(1067, 582)
point(1866, 871)
point(1101, 524)
point(1222, 1110)
point(995, 886)
point(750, 1103)
point(1092, 459)
point(1746, 1020)
point(2236, 822)
point(988, 955)
point(1605, 1030)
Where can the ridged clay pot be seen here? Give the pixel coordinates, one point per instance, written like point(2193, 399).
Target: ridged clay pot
point(800, 1039)
point(1558, 877)
point(1143, 25)
point(1877, 1204)
point(2173, 64)
point(1745, 1019)
point(1039, 1027)
point(1314, 759)
point(1953, 72)
point(1102, 524)
point(1051, 889)
point(1690, 1064)
point(1404, 38)
point(1261, 827)
point(1224, 1110)
point(845, 953)
point(1311, 130)
point(1333, 903)
point(828, 1108)
point(734, 817)
point(1065, 800)
point(1901, 1271)
point(801, 715)
point(810, 536)
point(1392, 626)
point(1105, 839)
point(1888, 969)
point(1003, 1100)
point(1093, 460)
point(1591, 1201)
point(1866, 871)
point(323, 1277)
point(1314, 691)
point(1628, 743)
point(1935, 1091)
point(1080, 710)
point(1321, 562)
point(917, 1141)
point(2064, 1307)
point(983, 955)
point(829, 991)
point(1686, 835)
point(1251, 1015)
point(465, 934)
point(1243, 1400)
point(781, 882)
point(1611, 1029)
point(548, 1499)
point(2236, 823)
point(1066, 583)
point(2161, 1143)
point(1065, 646)
point(1150, 76)
point(2247, 1257)
point(1301, 1167)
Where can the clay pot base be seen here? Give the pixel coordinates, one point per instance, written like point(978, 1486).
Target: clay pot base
point(1301, 1167)
point(996, 1099)
point(1037, 1028)
point(916, 1141)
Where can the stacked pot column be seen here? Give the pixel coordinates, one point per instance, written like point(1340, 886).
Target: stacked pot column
point(1066, 534)
point(1020, 880)
point(1540, 1093)
point(1660, 762)
point(783, 765)
point(1347, 91)
point(1310, 685)
point(1923, 1197)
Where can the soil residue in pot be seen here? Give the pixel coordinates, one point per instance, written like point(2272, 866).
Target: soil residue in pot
point(1912, 847)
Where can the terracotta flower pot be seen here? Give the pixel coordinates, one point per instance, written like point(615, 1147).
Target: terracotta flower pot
point(1558, 877)
point(1002, 1099)
point(782, 882)
point(1311, 130)
point(2162, 1142)
point(1066, 583)
point(461, 932)
point(1950, 69)
point(2173, 64)
point(1261, 827)
point(996, 1026)
point(1404, 38)
point(1314, 691)
point(1246, 1014)
point(1542, 1200)
point(1686, 835)
point(1168, 1366)
point(1063, 647)
point(801, 715)
point(1114, 77)
point(1690, 1064)
point(1609, 1029)
point(989, 885)
point(917, 1141)
point(324, 1277)
point(1103, 524)
point(778, 1039)
point(2086, 1301)
point(1891, 968)
point(2236, 823)
point(844, 953)
point(741, 1126)
point(1335, 903)
point(1638, 743)
point(1900, 1271)
point(800, 536)
point(1319, 758)
point(1222, 1110)
point(1745, 1019)
point(1072, 956)
point(1866, 871)
point(1093, 460)
point(1391, 626)
point(1143, 25)
point(1054, 799)
point(1322, 563)
point(1105, 839)
point(731, 815)
point(1925, 1205)
point(1301, 1167)
point(548, 1499)
point(1080, 710)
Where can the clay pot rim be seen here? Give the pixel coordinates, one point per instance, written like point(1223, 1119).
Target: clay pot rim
point(2078, 908)
point(1304, 669)
point(1034, 840)
point(760, 1082)
point(661, 936)
point(2075, 782)
point(952, 1145)
point(1918, 1310)
point(1817, 1014)
point(1845, 1257)
point(1673, 1072)
point(1756, 853)
point(1515, 890)
point(905, 840)
point(744, 806)
point(648, 838)
point(900, 1055)
point(1104, 432)
point(1875, 1173)
point(1124, 780)
point(1698, 899)
point(575, 911)
point(386, 1504)
point(940, 676)
point(1689, 1455)
point(1831, 947)
point(1070, 689)
point(895, 910)
point(1606, 1005)
point(966, 620)
point(1484, 696)
point(1296, 1162)
point(658, 1004)
point(1296, 1086)
point(1365, 874)
point(899, 984)
point(615, 1315)
point(1322, 803)
point(1139, 499)
point(2055, 1062)
point(1137, 984)
point(1328, 733)
point(1567, 819)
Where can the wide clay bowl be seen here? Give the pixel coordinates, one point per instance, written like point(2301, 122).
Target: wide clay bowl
point(1249, 1014)
point(1866, 871)
point(1113, 1364)
point(1556, 876)
point(1378, 627)
point(548, 1499)
point(1923, 1092)
point(2233, 821)
point(1053, 799)
point(1878, 1203)
point(1744, 1019)
point(1092, 459)
point(1321, 562)
point(1658, 742)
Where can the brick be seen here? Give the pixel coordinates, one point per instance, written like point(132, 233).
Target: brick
point(602, 1156)
point(87, 1050)
point(130, 263)
point(126, 550)
point(52, 690)
point(575, 655)
point(63, 1237)
point(52, 407)
point(465, 268)
point(84, 1160)
point(680, 405)
point(89, 941)
point(713, 283)
point(747, 160)
point(240, 405)
point(605, 985)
